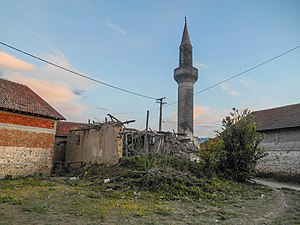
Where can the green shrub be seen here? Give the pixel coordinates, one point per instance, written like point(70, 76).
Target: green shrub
point(235, 153)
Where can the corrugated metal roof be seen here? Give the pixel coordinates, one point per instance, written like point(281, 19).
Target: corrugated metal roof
point(277, 118)
point(20, 98)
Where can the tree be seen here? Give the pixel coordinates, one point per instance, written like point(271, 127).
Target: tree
point(240, 153)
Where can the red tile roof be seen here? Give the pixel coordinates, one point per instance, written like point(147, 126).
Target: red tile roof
point(20, 98)
point(63, 128)
point(277, 118)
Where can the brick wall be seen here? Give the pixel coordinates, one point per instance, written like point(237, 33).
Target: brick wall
point(26, 144)
point(283, 148)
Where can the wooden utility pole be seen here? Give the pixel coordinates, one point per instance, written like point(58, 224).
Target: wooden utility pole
point(147, 120)
point(161, 103)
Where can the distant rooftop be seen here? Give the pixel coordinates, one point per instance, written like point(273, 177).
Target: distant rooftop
point(63, 128)
point(278, 118)
point(15, 97)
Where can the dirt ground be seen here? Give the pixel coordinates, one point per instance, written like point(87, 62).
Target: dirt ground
point(55, 202)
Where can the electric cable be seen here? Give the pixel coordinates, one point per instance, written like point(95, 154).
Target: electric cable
point(77, 73)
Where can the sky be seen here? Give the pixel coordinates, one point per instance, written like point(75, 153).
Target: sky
point(134, 45)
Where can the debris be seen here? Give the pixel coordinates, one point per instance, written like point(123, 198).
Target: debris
point(106, 181)
point(74, 178)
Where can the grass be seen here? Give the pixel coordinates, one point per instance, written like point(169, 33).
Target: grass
point(142, 191)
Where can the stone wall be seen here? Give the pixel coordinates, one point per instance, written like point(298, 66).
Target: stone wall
point(283, 148)
point(185, 107)
point(26, 144)
point(95, 145)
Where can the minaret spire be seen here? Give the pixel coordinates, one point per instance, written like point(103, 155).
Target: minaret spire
point(185, 36)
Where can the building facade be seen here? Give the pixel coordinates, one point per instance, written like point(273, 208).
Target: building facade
point(27, 131)
point(281, 129)
point(185, 75)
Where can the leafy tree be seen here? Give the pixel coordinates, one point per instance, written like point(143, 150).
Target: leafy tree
point(235, 152)
point(240, 153)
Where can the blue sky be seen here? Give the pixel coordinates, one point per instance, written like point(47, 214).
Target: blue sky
point(134, 44)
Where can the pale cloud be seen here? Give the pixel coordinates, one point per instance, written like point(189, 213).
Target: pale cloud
point(10, 62)
point(226, 88)
point(246, 82)
point(61, 89)
point(200, 110)
point(201, 65)
point(207, 120)
point(115, 27)
point(51, 73)
point(88, 5)
point(56, 94)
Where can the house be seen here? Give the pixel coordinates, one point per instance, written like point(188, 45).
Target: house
point(27, 131)
point(281, 129)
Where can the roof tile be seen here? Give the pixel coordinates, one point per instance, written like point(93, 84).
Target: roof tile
point(277, 118)
point(63, 128)
point(20, 98)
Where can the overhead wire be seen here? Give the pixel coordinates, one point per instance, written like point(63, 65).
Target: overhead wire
point(77, 73)
point(243, 72)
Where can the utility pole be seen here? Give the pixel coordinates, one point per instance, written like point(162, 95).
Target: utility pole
point(161, 103)
point(147, 120)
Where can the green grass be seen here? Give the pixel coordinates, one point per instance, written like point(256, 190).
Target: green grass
point(143, 191)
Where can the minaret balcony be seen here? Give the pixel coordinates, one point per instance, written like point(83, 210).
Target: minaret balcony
point(186, 74)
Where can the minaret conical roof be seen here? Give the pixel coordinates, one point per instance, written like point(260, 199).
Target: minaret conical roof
point(185, 36)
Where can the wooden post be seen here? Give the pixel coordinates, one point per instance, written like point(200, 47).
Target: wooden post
point(161, 103)
point(147, 120)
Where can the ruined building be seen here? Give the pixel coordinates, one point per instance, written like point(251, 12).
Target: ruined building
point(185, 75)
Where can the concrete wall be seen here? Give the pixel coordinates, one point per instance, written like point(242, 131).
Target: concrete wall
point(95, 145)
point(26, 144)
point(283, 148)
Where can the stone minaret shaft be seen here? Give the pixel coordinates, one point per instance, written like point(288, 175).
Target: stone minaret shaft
point(185, 75)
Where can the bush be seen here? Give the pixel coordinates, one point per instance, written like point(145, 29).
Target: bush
point(236, 152)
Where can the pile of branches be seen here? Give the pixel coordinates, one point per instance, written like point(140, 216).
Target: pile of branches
point(169, 176)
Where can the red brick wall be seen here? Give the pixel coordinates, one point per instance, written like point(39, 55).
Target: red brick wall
point(20, 138)
point(24, 120)
point(26, 144)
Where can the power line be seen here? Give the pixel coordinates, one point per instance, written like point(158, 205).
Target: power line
point(77, 73)
point(245, 71)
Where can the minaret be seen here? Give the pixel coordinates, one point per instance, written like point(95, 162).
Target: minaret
point(185, 75)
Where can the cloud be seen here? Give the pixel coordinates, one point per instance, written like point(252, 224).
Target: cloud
point(10, 62)
point(206, 120)
point(56, 94)
point(89, 5)
point(200, 110)
point(201, 65)
point(78, 92)
point(246, 82)
point(115, 27)
point(59, 88)
point(226, 88)
point(50, 73)
point(101, 108)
